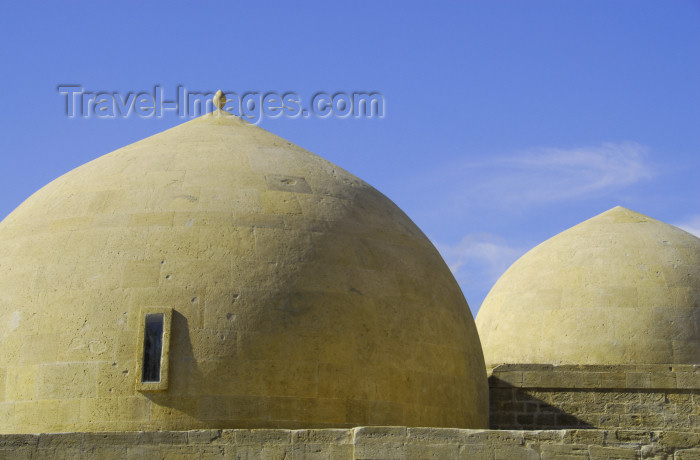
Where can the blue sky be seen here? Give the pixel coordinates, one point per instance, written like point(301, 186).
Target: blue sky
point(506, 122)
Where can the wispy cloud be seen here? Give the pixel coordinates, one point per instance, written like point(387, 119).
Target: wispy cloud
point(505, 188)
point(548, 175)
point(477, 261)
point(691, 225)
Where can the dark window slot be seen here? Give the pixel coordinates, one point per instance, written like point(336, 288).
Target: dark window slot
point(152, 348)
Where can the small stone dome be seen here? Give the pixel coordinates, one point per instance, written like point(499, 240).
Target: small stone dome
point(216, 275)
point(620, 288)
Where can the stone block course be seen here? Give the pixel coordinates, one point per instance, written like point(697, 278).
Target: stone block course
point(356, 444)
point(555, 397)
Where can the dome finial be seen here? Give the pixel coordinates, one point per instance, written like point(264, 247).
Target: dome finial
point(219, 99)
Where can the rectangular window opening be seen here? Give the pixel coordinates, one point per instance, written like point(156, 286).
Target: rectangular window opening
point(152, 348)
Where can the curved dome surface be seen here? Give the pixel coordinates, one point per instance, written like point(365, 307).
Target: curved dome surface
point(294, 295)
point(619, 288)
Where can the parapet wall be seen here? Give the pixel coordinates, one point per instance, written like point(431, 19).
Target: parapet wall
point(356, 444)
point(653, 397)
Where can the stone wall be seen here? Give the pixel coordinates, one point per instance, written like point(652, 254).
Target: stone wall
point(356, 443)
point(654, 397)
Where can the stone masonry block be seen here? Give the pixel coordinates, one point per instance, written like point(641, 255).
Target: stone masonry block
point(687, 454)
point(638, 380)
point(665, 380)
point(613, 453)
point(679, 439)
point(203, 437)
point(515, 452)
point(508, 378)
point(584, 437)
point(687, 380)
point(561, 452)
point(613, 380)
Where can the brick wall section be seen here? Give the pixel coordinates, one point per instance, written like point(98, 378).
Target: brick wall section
point(653, 397)
point(356, 444)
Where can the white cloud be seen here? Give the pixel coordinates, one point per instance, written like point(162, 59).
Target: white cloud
point(548, 175)
point(500, 188)
point(477, 261)
point(691, 225)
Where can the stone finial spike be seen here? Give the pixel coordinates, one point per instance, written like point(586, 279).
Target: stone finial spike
point(219, 99)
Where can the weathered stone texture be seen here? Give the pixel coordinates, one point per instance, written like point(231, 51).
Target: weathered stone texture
point(619, 288)
point(555, 397)
point(301, 297)
point(362, 443)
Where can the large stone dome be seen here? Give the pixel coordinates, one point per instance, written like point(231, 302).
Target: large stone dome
point(283, 292)
point(620, 288)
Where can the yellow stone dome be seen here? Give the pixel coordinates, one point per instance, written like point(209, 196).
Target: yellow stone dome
point(620, 288)
point(216, 275)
